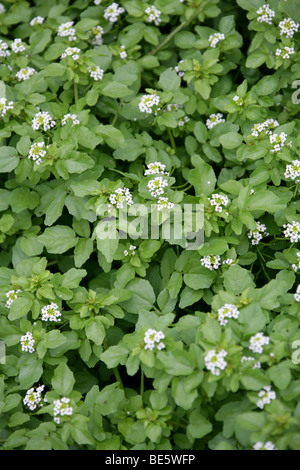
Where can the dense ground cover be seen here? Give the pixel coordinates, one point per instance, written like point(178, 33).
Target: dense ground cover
point(127, 342)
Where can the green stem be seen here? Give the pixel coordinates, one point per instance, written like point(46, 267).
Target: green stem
point(142, 383)
point(113, 122)
point(171, 137)
point(75, 92)
point(262, 260)
point(296, 190)
point(115, 369)
point(179, 28)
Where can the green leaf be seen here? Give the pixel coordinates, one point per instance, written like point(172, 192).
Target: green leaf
point(8, 159)
point(63, 380)
point(169, 80)
point(58, 239)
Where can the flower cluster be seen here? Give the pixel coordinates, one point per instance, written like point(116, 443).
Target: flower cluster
point(218, 201)
point(153, 15)
point(152, 339)
point(95, 72)
point(147, 102)
point(265, 14)
point(37, 152)
point(71, 52)
point(292, 170)
point(211, 262)
point(4, 52)
point(112, 12)
point(266, 395)
point(214, 119)
point(215, 361)
point(27, 342)
point(25, 73)
point(156, 186)
point(183, 121)
point(238, 100)
point(288, 27)
point(43, 120)
point(5, 107)
point(51, 313)
point(257, 234)
point(180, 73)
point(96, 34)
point(61, 408)
point(264, 127)
point(130, 251)
point(215, 38)
point(164, 203)
point(17, 46)
point(37, 20)
point(122, 52)
point(227, 311)
point(11, 296)
point(292, 231)
point(264, 446)
point(285, 53)
point(33, 398)
point(120, 197)
point(297, 295)
point(296, 266)
point(277, 141)
point(156, 168)
point(257, 342)
point(70, 117)
point(67, 30)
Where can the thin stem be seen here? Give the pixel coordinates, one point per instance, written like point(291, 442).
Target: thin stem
point(262, 260)
point(142, 383)
point(115, 369)
point(75, 92)
point(179, 28)
point(171, 137)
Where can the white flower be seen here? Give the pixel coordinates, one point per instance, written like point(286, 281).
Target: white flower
point(288, 27)
point(4, 52)
point(264, 446)
point(218, 201)
point(265, 14)
point(183, 121)
point(120, 197)
point(238, 100)
point(33, 398)
point(297, 295)
point(26, 73)
point(285, 53)
point(97, 2)
point(264, 127)
point(164, 203)
point(71, 52)
point(180, 73)
point(211, 262)
point(292, 231)
point(227, 311)
point(277, 141)
point(43, 120)
point(122, 52)
point(2, 8)
point(95, 72)
point(214, 119)
point(37, 152)
point(5, 107)
point(256, 365)
point(153, 338)
point(257, 234)
point(51, 313)
point(70, 117)
point(61, 408)
point(257, 342)
point(228, 261)
point(156, 168)
point(37, 20)
point(11, 296)
point(96, 34)
point(147, 102)
point(17, 46)
point(153, 15)
point(66, 29)
point(292, 170)
point(265, 395)
point(130, 251)
point(297, 266)
point(215, 361)
point(156, 186)
point(112, 12)
point(215, 38)
point(27, 342)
